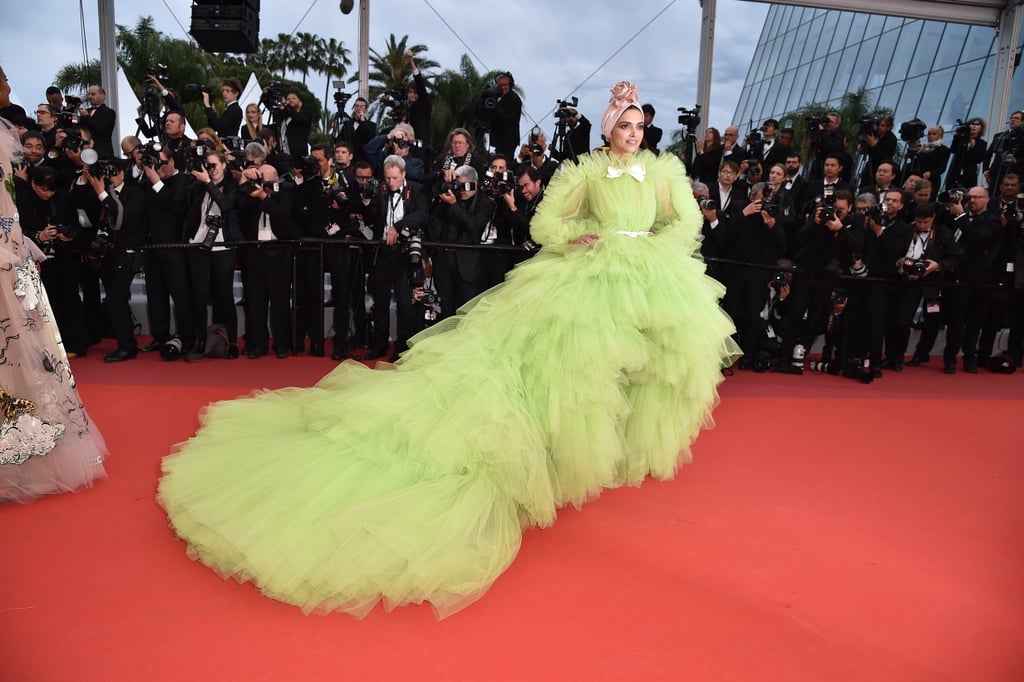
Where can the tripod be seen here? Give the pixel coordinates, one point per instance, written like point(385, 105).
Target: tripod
point(561, 144)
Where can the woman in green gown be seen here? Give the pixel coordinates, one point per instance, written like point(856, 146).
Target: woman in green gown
point(594, 365)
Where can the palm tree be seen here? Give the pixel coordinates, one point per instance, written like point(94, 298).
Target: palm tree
point(78, 76)
point(852, 107)
point(269, 59)
point(308, 49)
point(287, 52)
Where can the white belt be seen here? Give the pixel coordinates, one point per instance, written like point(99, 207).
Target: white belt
point(636, 234)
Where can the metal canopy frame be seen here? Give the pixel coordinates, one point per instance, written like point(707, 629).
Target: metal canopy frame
point(1001, 15)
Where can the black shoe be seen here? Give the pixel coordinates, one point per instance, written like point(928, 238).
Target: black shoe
point(876, 373)
point(120, 355)
point(789, 368)
point(378, 352)
point(746, 363)
point(316, 350)
point(949, 368)
point(253, 353)
point(971, 365)
point(892, 363)
point(338, 354)
point(232, 353)
point(917, 360)
point(282, 353)
point(151, 346)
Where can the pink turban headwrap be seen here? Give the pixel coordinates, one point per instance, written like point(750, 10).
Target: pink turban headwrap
point(624, 96)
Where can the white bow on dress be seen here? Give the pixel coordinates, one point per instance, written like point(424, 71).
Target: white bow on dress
point(637, 171)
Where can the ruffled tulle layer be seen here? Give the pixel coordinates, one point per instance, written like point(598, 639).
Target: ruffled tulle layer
point(584, 370)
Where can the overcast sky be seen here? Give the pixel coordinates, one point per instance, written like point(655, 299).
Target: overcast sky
point(551, 47)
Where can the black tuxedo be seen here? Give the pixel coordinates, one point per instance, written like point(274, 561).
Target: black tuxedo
point(419, 111)
point(268, 269)
point(294, 132)
point(504, 135)
point(228, 123)
point(706, 165)
point(125, 210)
point(391, 268)
point(652, 138)
point(100, 123)
point(775, 154)
point(166, 269)
point(359, 136)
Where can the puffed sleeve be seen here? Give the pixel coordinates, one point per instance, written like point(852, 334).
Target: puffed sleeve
point(564, 213)
point(677, 210)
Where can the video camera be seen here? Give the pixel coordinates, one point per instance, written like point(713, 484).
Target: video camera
point(151, 103)
point(68, 118)
point(566, 109)
point(912, 130)
point(396, 101)
point(689, 117)
point(273, 96)
point(867, 125)
point(951, 195)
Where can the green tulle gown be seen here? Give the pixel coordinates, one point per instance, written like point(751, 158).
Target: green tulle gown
point(586, 369)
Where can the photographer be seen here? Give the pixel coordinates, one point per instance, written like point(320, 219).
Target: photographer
point(928, 254)
point(879, 145)
point(267, 202)
point(458, 151)
point(1006, 153)
point(174, 137)
point(330, 197)
point(932, 159)
point(157, 102)
point(420, 103)
point(399, 141)
point(756, 237)
point(773, 150)
point(294, 127)
point(504, 129)
point(166, 269)
point(968, 152)
point(398, 214)
point(269, 140)
point(826, 245)
point(577, 133)
point(712, 244)
point(977, 233)
point(533, 153)
point(48, 219)
point(732, 150)
point(462, 216)
point(358, 130)
point(228, 123)
point(1009, 211)
point(827, 138)
point(99, 120)
point(211, 221)
point(872, 300)
point(118, 249)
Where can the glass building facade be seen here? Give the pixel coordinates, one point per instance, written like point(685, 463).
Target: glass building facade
point(938, 72)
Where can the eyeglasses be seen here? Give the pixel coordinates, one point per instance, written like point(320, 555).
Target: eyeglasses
point(728, 172)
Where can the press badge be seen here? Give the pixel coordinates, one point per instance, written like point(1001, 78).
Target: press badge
point(333, 229)
point(932, 307)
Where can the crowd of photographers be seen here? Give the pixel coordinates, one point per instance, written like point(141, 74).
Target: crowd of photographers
point(373, 207)
point(859, 249)
point(862, 249)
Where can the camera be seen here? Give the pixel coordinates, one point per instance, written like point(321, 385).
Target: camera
point(838, 297)
point(405, 144)
point(952, 195)
point(914, 267)
point(171, 350)
point(368, 188)
point(912, 130)
point(753, 167)
point(159, 72)
point(816, 122)
point(689, 117)
point(69, 231)
point(196, 88)
point(69, 116)
point(566, 109)
point(535, 146)
point(272, 98)
point(410, 242)
point(151, 155)
point(396, 101)
point(337, 192)
point(214, 223)
point(827, 204)
point(867, 125)
point(779, 279)
point(99, 249)
point(497, 184)
point(707, 204)
point(961, 129)
point(877, 216)
point(195, 158)
point(250, 186)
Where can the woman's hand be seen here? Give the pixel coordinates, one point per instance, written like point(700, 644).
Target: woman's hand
point(589, 240)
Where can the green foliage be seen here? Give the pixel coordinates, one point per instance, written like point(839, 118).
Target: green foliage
point(390, 70)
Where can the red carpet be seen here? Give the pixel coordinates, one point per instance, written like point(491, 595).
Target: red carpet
point(825, 531)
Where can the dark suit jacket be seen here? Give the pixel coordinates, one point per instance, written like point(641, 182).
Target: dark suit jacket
point(415, 204)
point(359, 137)
point(297, 130)
point(100, 123)
point(463, 223)
point(126, 216)
point(505, 127)
point(777, 153)
point(225, 197)
point(228, 123)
